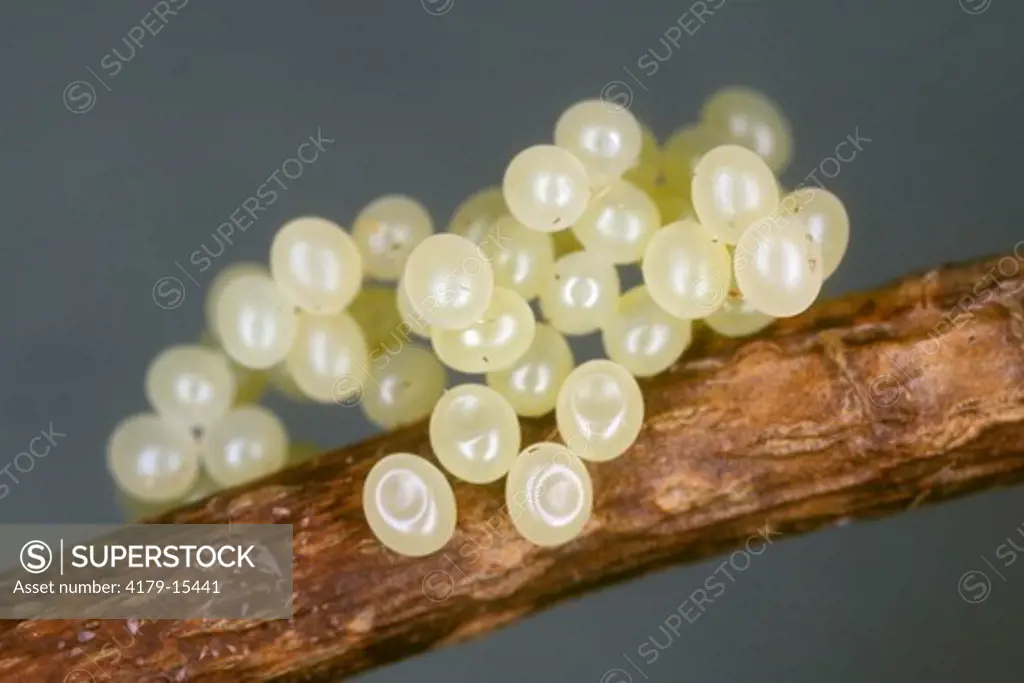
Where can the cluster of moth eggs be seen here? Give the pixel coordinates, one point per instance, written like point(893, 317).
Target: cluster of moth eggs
point(702, 216)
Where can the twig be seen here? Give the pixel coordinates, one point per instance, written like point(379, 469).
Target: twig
point(866, 405)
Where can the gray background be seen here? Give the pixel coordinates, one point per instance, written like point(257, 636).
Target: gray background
point(99, 206)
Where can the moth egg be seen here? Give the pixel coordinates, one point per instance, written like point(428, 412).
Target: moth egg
point(732, 188)
point(250, 385)
point(191, 385)
point(532, 382)
point(153, 459)
point(549, 494)
point(778, 266)
point(256, 321)
point(135, 509)
point(749, 118)
point(375, 310)
point(213, 293)
point(402, 388)
point(248, 443)
point(580, 293)
point(474, 433)
point(826, 219)
point(737, 318)
point(387, 230)
point(474, 216)
point(412, 319)
point(683, 150)
point(618, 223)
point(495, 341)
point(600, 410)
point(327, 349)
point(409, 505)
point(647, 170)
point(316, 264)
point(523, 258)
point(608, 141)
point(546, 188)
point(687, 270)
point(449, 281)
point(642, 337)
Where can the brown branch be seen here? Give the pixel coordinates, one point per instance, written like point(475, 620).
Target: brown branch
point(869, 404)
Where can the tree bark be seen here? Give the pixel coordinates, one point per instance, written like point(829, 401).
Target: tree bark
point(870, 404)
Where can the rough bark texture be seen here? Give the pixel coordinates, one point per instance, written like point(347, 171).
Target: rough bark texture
point(870, 404)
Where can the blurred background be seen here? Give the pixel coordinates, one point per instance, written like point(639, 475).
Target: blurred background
point(111, 180)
